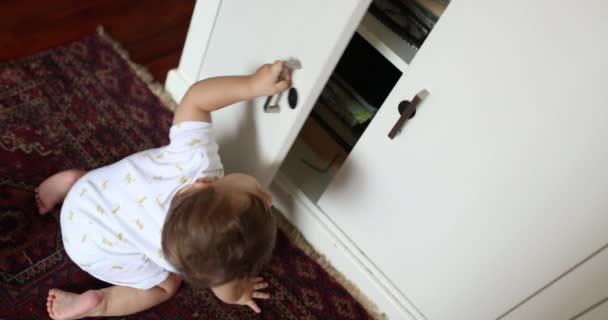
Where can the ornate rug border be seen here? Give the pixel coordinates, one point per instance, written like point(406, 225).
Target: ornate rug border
point(141, 72)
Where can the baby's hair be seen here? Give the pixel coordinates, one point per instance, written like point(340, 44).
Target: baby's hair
point(212, 239)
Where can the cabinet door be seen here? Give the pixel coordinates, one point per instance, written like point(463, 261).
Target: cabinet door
point(498, 184)
point(247, 34)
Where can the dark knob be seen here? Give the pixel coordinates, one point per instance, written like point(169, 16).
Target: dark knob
point(407, 109)
point(292, 97)
point(402, 105)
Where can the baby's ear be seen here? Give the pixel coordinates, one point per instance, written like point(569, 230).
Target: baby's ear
point(267, 198)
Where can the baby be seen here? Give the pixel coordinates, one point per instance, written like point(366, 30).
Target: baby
point(162, 215)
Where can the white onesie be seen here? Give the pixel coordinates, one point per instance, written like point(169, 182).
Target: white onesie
point(112, 218)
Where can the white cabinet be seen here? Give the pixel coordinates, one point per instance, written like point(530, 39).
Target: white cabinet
point(492, 199)
point(246, 34)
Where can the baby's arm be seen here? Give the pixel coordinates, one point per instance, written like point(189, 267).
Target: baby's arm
point(242, 292)
point(215, 93)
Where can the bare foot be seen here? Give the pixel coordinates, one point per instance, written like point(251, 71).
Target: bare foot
point(63, 305)
point(54, 189)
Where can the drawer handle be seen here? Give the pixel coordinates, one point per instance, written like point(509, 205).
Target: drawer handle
point(407, 113)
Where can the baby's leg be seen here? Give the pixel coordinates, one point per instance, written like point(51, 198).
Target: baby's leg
point(54, 189)
point(111, 301)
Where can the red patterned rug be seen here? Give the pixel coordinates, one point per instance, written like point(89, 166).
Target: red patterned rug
point(81, 106)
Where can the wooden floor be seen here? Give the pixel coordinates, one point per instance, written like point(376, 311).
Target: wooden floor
point(153, 31)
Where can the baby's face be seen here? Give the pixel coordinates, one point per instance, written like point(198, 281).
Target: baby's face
point(236, 181)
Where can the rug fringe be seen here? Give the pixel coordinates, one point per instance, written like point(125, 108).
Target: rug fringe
point(157, 88)
point(296, 237)
point(293, 234)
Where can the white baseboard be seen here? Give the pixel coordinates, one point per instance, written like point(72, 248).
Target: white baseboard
point(177, 84)
point(343, 255)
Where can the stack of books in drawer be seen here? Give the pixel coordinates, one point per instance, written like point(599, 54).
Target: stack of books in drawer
point(411, 19)
point(342, 112)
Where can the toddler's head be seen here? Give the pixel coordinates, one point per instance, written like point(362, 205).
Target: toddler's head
point(219, 230)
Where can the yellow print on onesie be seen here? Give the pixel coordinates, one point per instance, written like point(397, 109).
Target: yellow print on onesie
point(106, 242)
point(141, 200)
point(139, 224)
point(159, 203)
point(194, 142)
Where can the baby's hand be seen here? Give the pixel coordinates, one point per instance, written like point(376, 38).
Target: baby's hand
point(270, 79)
point(251, 291)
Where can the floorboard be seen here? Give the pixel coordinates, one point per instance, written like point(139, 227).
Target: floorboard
point(153, 31)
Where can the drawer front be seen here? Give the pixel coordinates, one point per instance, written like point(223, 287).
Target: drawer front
point(599, 312)
point(580, 293)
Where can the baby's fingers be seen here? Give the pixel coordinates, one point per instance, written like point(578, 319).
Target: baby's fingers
point(260, 295)
point(260, 285)
point(277, 67)
point(282, 85)
point(254, 306)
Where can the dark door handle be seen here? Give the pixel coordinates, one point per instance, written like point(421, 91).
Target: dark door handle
point(407, 113)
